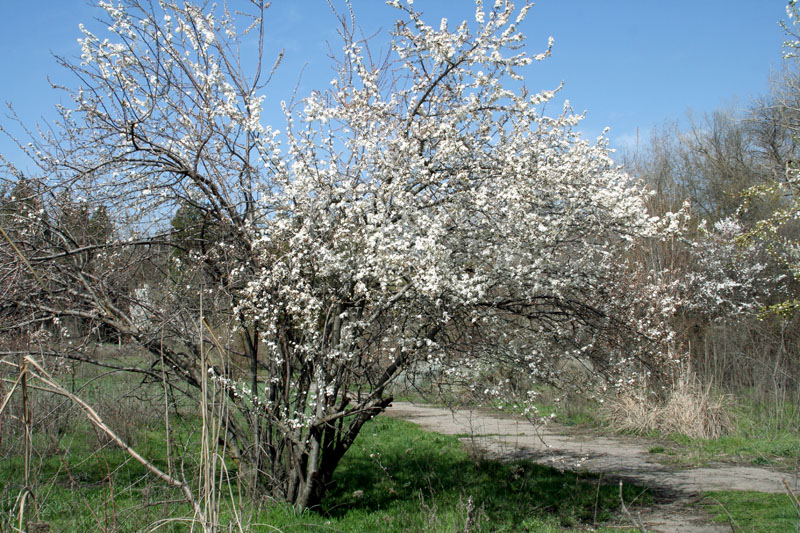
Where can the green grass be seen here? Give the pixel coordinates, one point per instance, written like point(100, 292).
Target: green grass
point(755, 439)
point(396, 477)
point(83, 483)
point(764, 434)
point(754, 512)
point(402, 471)
point(777, 450)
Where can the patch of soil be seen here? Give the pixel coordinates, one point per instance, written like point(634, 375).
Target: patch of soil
point(618, 459)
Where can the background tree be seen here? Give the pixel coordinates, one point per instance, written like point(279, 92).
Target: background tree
point(736, 271)
point(710, 163)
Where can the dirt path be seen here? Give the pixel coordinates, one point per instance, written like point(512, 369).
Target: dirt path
point(625, 459)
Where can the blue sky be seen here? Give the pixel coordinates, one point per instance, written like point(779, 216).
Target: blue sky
point(630, 64)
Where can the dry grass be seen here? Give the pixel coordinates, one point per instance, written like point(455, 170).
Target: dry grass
point(690, 409)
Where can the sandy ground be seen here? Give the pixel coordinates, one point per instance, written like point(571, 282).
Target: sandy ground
point(625, 459)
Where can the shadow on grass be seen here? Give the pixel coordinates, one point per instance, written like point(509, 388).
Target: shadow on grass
point(396, 468)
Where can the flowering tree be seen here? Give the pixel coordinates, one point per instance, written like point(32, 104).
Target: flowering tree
point(420, 212)
point(776, 231)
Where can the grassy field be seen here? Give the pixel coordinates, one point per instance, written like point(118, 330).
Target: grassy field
point(753, 512)
point(395, 477)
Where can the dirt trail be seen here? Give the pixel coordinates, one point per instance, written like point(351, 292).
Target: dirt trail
point(625, 459)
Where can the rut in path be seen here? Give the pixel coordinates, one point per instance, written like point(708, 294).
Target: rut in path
point(624, 459)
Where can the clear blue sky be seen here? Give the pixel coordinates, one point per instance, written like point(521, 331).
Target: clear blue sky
point(628, 63)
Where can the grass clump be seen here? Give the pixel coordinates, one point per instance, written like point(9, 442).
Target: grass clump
point(689, 409)
point(746, 427)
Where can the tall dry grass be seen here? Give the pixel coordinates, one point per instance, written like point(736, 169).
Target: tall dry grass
point(690, 409)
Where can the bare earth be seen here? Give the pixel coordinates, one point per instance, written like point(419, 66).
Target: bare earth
point(625, 459)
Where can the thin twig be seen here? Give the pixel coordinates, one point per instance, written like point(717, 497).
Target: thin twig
point(792, 496)
point(731, 521)
point(636, 521)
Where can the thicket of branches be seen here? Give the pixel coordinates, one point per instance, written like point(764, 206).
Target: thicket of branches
point(419, 216)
